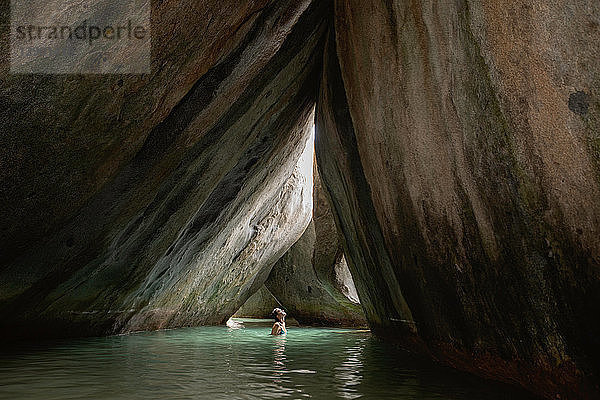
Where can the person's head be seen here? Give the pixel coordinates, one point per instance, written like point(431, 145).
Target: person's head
point(279, 314)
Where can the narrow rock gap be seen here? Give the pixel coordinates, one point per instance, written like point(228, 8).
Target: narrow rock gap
point(311, 281)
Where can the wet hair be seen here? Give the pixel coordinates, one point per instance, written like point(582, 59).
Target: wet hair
point(276, 312)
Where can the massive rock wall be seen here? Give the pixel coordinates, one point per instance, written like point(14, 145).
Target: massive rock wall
point(459, 144)
point(328, 260)
point(161, 200)
point(260, 305)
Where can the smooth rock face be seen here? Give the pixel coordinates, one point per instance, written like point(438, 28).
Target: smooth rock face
point(343, 280)
point(328, 258)
point(162, 200)
point(459, 144)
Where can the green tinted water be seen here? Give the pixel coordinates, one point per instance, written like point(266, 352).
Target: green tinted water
point(225, 363)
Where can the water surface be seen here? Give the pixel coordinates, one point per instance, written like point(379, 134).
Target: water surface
point(218, 362)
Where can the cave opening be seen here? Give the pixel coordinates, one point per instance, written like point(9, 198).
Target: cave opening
point(460, 153)
point(311, 281)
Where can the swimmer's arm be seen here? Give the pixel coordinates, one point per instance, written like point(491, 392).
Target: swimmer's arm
point(276, 329)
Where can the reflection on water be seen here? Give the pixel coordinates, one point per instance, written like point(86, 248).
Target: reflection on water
point(278, 359)
point(349, 373)
point(229, 363)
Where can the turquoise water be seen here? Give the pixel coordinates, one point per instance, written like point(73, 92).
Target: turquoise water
point(225, 363)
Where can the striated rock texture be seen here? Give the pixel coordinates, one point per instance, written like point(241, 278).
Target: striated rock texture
point(162, 200)
point(459, 144)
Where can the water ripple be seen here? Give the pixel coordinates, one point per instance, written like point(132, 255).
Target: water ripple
point(230, 363)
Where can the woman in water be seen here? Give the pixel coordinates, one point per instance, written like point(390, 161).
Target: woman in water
point(279, 325)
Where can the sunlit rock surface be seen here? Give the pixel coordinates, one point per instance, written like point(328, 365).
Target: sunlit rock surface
point(328, 259)
point(459, 143)
point(308, 297)
point(163, 200)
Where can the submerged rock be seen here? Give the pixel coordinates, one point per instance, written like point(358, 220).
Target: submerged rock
point(464, 175)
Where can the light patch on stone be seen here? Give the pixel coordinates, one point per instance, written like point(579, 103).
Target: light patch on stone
point(344, 280)
point(305, 162)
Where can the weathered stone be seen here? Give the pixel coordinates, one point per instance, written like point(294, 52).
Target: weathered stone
point(163, 200)
point(465, 181)
point(458, 142)
point(343, 280)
